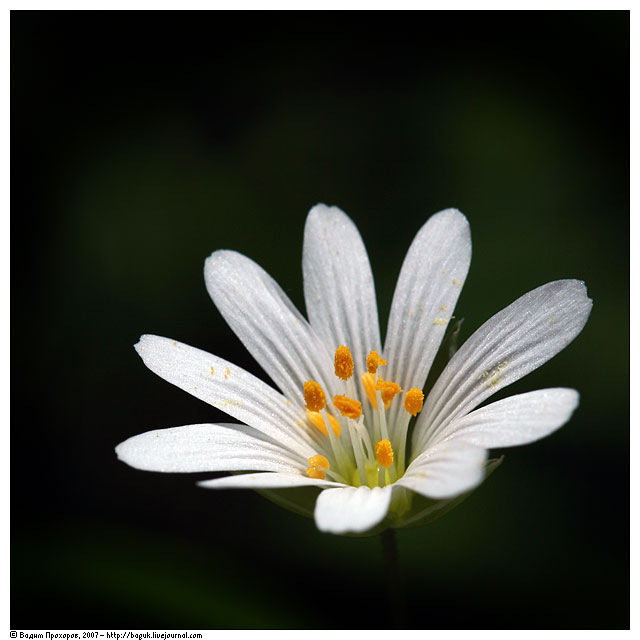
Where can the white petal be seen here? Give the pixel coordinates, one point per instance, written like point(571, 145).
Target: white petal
point(267, 323)
point(429, 284)
point(230, 389)
point(515, 341)
point(338, 284)
point(205, 447)
point(351, 509)
point(516, 420)
point(446, 470)
point(265, 481)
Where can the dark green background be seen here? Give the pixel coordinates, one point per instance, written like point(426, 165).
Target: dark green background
point(141, 142)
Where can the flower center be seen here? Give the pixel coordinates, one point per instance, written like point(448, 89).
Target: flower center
point(360, 450)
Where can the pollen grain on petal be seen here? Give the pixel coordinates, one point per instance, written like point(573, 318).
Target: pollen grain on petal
point(318, 422)
point(384, 453)
point(374, 360)
point(348, 407)
point(388, 390)
point(343, 363)
point(314, 397)
point(413, 401)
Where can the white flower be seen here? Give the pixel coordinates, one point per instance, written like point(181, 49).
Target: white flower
point(348, 448)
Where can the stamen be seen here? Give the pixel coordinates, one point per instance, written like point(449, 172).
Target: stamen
point(348, 407)
point(319, 464)
point(413, 401)
point(318, 422)
point(380, 425)
point(344, 463)
point(374, 361)
point(369, 384)
point(384, 453)
point(319, 461)
point(343, 363)
point(314, 397)
point(358, 452)
point(388, 390)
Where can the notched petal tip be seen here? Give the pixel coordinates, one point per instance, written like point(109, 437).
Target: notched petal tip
point(576, 293)
point(143, 341)
point(583, 289)
point(451, 216)
point(322, 214)
point(450, 211)
point(221, 256)
point(150, 346)
point(322, 209)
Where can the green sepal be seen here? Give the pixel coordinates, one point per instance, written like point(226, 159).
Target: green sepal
point(408, 509)
point(426, 510)
point(300, 500)
point(453, 338)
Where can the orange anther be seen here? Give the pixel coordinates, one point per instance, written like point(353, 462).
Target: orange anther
point(413, 401)
point(343, 363)
point(387, 390)
point(314, 397)
point(384, 453)
point(374, 361)
point(319, 461)
point(316, 474)
point(369, 384)
point(319, 464)
point(348, 407)
point(318, 422)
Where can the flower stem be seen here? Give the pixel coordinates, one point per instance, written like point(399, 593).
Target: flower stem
point(393, 580)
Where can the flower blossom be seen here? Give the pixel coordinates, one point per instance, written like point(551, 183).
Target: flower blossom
point(346, 406)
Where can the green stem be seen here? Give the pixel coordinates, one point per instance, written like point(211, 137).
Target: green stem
point(393, 580)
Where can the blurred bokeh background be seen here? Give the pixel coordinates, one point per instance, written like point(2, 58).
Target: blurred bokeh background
point(141, 142)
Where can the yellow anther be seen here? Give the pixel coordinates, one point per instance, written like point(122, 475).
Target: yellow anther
point(388, 390)
point(314, 397)
point(343, 363)
point(316, 474)
point(369, 384)
point(319, 462)
point(374, 361)
point(384, 453)
point(348, 407)
point(413, 401)
point(318, 422)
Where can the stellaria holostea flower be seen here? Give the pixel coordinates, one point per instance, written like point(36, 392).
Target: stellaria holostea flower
point(340, 421)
